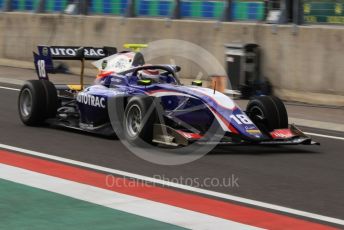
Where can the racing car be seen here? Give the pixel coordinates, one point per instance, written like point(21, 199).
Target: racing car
point(143, 102)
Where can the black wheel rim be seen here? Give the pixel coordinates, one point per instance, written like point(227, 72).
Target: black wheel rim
point(25, 102)
point(133, 120)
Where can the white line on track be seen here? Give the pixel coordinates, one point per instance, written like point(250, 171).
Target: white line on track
point(326, 136)
point(180, 186)
point(118, 201)
point(339, 127)
point(14, 89)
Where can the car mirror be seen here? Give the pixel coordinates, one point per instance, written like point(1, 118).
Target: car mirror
point(197, 83)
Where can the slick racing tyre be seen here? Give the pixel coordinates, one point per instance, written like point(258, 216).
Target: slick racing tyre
point(37, 101)
point(51, 99)
point(268, 111)
point(32, 103)
point(139, 117)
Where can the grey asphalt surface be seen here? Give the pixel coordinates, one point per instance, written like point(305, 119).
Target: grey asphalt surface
point(308, 178)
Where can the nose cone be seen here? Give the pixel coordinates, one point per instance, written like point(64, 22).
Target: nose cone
point(245, 125)
point(225, 111)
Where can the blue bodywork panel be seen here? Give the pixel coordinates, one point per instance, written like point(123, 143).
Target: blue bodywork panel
point(177, 101)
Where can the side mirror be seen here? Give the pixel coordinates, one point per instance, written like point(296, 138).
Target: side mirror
point(144, 82)
point(197, 83)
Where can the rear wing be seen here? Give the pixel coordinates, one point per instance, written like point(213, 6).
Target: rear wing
point(46, 54)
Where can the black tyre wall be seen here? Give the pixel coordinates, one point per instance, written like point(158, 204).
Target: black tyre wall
point(146, 133)
point(51, 99)
point(38, 108)
point(274, 112)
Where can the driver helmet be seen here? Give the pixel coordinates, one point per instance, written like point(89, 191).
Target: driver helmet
point(149, 74)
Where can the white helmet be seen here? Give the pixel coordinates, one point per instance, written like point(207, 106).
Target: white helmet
point(149, 74)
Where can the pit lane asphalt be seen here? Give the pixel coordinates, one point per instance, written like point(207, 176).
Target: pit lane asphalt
point(308, 178)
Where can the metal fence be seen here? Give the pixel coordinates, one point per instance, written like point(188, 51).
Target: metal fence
point(272, 11)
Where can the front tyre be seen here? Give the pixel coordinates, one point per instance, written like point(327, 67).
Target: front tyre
point(32, 103)
point(268, 111)
point(138, 122)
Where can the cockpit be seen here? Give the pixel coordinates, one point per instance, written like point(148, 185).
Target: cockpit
point(131, 66)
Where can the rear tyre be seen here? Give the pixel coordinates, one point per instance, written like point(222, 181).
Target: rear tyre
point(51, 98)
point(138, 122)
point(268, 111)
point(32, 103)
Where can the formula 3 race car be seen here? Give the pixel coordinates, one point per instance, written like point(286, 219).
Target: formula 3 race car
point(141, 102)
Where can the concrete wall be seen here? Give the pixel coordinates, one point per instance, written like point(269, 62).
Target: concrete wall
point(296, 60)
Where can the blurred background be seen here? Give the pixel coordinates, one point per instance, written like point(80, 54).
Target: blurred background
point(296, 47)
point(298, 11)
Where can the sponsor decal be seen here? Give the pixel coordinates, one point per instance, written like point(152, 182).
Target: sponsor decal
point(117, 81)
point(116, 64)
point(253, 131)
point(41, 69)
point(189, 135)
point(91, 100)
point(86, 126)
point(45, 51)
point(121, 64)
point(71, 51)
point(241, 119)
point(282, 134)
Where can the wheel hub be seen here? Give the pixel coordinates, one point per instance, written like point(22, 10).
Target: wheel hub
point(133, 120)
point(26, 102)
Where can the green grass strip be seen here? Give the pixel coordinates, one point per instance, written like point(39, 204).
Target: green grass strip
point(24, 207)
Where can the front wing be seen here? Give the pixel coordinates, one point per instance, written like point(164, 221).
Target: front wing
point(169, 136)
